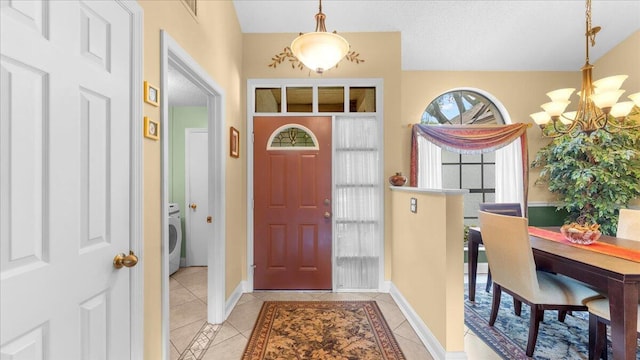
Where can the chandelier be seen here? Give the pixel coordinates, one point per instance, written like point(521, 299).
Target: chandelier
point(597, 108)
point(319, 50)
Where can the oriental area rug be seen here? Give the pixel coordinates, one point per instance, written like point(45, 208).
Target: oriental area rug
point(321, 330)
point(508, 336)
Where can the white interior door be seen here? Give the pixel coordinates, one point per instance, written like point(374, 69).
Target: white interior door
point(197, 195)
point(65, 179)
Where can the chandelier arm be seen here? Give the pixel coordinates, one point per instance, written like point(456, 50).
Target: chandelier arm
point(601, 121)
point(623, 127)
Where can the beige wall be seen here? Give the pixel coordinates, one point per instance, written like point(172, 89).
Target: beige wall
point(427, 261)
point(214, 40)
point(381, 52)
point(622, 59)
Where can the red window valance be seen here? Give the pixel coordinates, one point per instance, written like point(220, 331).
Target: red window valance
point(471, 139)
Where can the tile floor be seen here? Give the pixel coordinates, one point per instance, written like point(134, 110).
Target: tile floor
point(188, 299)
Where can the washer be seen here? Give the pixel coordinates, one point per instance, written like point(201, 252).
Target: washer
point(175, 237)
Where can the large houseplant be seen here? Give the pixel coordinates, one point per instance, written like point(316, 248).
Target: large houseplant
point(592, 175)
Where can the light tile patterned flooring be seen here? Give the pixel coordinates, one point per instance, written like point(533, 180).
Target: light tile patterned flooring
point(188, 299)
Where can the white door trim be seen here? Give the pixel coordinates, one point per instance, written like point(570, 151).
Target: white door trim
point(252, 84)
point(173, 54)
point(136, 273)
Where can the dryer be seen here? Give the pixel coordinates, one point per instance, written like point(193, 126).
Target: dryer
point(175, 237)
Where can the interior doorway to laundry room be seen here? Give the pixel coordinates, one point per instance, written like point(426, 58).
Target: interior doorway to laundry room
point(190, 99)
point(188, 178)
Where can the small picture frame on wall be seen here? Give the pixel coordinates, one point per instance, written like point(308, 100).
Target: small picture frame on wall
point(234, 143)
point(151, 129)
point(151, 94)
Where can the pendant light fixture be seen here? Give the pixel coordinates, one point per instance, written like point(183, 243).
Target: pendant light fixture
point(598, 108)
point(319, 50)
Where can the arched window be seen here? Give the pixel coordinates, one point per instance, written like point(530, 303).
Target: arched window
point(489, 177)
point(292, 137)
point(462, 107)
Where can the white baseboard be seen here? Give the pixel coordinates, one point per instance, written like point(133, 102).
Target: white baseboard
point(233, 299)
point(426, 336)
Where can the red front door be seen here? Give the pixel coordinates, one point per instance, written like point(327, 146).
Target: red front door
point(292, 205)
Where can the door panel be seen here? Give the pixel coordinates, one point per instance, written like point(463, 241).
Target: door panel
point(65, 181)
point(292, 192)
point(197, 196)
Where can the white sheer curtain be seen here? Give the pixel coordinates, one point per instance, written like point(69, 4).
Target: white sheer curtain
point(357, 202)
point(509, 182)
point(429, 164)
point(509, 186)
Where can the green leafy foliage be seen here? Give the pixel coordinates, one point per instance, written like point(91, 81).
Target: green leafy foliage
point(593, 175)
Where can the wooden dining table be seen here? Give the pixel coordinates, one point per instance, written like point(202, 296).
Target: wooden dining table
point(618, 278)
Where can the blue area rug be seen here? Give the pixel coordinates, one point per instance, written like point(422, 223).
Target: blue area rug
point(508, 337)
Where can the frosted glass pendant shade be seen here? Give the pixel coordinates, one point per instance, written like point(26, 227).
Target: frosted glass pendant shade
point(609, 83)
point(560, 94)
point(555, 108)
point(621, 109)
point(635, 98)
point(540, 118)
point(568, 117)
point(320, 51)
point(606, 99)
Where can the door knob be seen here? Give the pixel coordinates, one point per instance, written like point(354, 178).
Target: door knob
point(327, 214)
point(125, 260)
point(193, 206)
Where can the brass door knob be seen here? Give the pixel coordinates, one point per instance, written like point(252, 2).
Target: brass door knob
point(327, 214)
point(125, 260)
point(193, 206)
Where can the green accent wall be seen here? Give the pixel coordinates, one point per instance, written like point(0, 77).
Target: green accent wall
point(180, 119)
point(546, 216)
point(538, 216)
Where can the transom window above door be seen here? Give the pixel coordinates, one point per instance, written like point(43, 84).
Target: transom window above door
point(315, 99)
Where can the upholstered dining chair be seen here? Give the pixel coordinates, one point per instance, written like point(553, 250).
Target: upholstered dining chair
point(599, 317)
point(629, 224)
point(509, 209)
point(514, 271)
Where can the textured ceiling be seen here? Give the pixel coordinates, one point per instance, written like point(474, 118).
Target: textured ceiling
point(478, 35)
point(183, 92)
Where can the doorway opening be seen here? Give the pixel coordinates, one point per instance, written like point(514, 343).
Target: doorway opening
point(176, 64)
